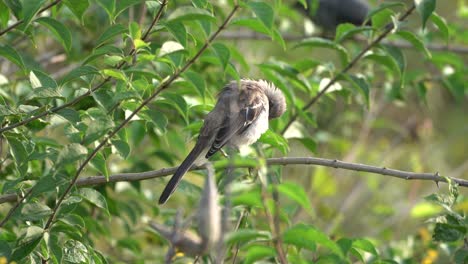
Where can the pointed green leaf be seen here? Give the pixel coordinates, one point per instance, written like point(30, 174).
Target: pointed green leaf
point(185, 13)
point(16, 7)
point(99, 162)
point(28, 241)
point(360, 83)
point(94, 197)
point(365, 245)
point(264, 12)
point(347, 30)
point(78, 72)
point(197, 81)
point(177, 29)
point(305, 236)
point(110, 33)
point(223, 53)
point(44, 79)
point(383, 6)
point(257, 252)
point(78, 7)
point(415, 41)
point(72, 153)
point(325, 43)
point(441, 25)
point(69, 114)
point(425, 9)
point(29, 11)
point(117, 74)
point(59, 31)
point(122, 147)
point(44, 93)
point(10, 54)
point(109, 7)
point(4, 14)
point(295, 193)
point(385, 60)
point(121, 5)
point(246, 235)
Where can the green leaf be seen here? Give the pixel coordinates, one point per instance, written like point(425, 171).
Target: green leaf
point(72, 153)
point(16, 7)
point(305, 236)
point(94, 197)
point(75, 252)
point(78, 72)
point(28, 241)
point(59, 31)
point(44, 93)
point(34, 211)
point(186, 13)
point(276, 140)
point(258, 252)
point(134, 30)
point(78, 7)
point(178, 30)
point(309, 143)
point(43, 79)
point(222, 53)
point(251, 198)
point(17, 149)
point(448, 232)
point(178, 102)
point(383, 6)
point(247, 235)
point(10, 54)
point(117, 74)
point(252, 24)
point(69, 114)
point(121, 5)
point(325, 43)
point(425, 9)
point(415, 41)
point(441, 25)
point(197, 81)
point(365, 245)
point(109, 7)
point(264, 12)
point(296, 193)
point(110, 33)
point(347, 30)
point(382, 18)
point(385, 60)
point(360, 83)
point(29, 11)
point(99, 162)
point(122, 147)
point(4, 15)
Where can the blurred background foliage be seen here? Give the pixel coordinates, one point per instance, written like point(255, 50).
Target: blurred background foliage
point(403, 106)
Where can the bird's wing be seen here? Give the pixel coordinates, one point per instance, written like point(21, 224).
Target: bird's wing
point(236, 123)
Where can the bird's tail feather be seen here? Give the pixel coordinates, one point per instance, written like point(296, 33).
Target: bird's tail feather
point(180, 172)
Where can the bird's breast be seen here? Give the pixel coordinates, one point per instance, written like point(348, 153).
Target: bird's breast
point(252, 133)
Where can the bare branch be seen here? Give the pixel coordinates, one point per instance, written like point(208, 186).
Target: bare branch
point(332, 163)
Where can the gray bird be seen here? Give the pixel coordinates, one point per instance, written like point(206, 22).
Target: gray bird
point(239, 118)
point(331, 13)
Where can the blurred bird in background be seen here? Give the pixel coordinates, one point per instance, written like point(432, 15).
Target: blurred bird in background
point(328, 14)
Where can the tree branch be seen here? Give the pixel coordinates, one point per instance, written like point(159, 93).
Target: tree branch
point(331, 163)
point(387, 31)
point(19, 22)
point(92, 90)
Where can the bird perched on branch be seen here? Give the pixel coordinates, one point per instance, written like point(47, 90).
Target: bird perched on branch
point(239, 118)
point(330, 13)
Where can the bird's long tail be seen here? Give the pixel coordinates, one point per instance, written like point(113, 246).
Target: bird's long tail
point(180, 172)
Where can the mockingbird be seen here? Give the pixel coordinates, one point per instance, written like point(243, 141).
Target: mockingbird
point(239, 118)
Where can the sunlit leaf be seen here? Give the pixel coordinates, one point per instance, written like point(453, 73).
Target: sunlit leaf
point(264, 12)
point(257, 252)
point(59, 31)
point(94, 197)
point(295, 193)
point(425, 9)
point(415, 41)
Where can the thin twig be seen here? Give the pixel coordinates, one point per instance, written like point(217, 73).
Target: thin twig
point(273, 222)
point(387, 31)
point(92, 90)
point(19, 22)
point(332, 163)
point(164, 85)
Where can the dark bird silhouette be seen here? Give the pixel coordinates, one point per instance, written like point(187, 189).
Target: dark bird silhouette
point(331, 13)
